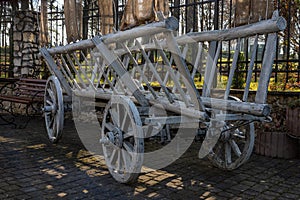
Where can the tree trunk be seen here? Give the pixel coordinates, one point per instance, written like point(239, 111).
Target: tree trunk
point(25, 5)
point(73, 19)
point(106, 16)
point(44, 32)
point(251, 11)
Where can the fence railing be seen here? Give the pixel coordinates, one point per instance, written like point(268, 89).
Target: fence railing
point(193, 15)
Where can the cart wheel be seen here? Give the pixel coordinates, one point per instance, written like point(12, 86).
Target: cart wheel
point(235, 145)
point(54, 109)
point(122, 139)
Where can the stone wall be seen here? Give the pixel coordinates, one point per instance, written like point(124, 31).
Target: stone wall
point(26, 44)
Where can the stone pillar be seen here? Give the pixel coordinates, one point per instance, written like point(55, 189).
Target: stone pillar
point(26, 47)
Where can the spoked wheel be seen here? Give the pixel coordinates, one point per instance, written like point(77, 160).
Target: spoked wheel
point(54, 109)
point(122, 139)
point(235, 145)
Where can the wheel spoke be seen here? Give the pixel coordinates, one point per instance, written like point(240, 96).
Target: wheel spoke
point(119, 114)
point(50, 103)
point(52, 122)
point(128, 135)
point(125, 123)
point(235, 148)
point(128, 147)
point(114, 116)
point(112, 157)
point(51, 94)
point(126, 162)
point(227, 153)
point(118, 163)
point(109, 126)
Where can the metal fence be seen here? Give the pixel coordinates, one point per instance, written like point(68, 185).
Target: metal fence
point(6, 53)
point(193, 15)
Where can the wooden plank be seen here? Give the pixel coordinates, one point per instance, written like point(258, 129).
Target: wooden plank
point(281, 143)
point(250, 69)
point(209, 63)
point(211, 74)
point(267, 66)
point(274, 145)
point(15, 99)
point(268, 144)
point(263, 143)
point(257, 143)
point(233, 68)
point(198, 65)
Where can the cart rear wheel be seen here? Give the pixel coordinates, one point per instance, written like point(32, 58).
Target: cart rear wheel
point(122, 139)
point(54, 109)
point(235, 145)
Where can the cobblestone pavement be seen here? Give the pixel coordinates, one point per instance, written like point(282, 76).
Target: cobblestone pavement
point(32, 168)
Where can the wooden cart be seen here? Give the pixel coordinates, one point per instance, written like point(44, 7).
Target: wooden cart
point(140, 72)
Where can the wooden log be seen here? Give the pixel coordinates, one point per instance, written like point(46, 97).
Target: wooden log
point(243, 107)
point(170, 23)
point(262, 27)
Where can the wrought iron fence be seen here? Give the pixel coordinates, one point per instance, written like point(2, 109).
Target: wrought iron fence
point(5, 39)
point(196, 15)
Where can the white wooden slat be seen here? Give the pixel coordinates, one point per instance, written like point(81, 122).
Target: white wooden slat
point(250, 69)
point(267, 66)
point(233, 68)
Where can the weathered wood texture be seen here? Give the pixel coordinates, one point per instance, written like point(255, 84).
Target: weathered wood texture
point(44, 32)
point(73, 19)
point(250, 11)
point(150, 29)
point(139, 12)
point(276, 145)
point(262, 27)
point(106, 16)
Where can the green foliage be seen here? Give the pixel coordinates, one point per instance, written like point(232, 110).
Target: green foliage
point(238, 78)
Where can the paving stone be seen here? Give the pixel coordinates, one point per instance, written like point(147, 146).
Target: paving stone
point(290, 196)
point(32, 167)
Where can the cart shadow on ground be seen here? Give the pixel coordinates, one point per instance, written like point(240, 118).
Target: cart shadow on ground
point(33, 167)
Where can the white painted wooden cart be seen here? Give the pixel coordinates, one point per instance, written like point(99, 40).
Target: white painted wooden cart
point(146, 67)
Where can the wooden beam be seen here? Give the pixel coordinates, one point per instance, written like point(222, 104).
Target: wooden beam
point(170, 23)
point(262, 27)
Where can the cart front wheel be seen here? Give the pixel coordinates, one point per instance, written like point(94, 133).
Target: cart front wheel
point(54, 109)
point(122, 139)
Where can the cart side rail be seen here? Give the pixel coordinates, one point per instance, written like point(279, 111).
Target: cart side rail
point(204, 53)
